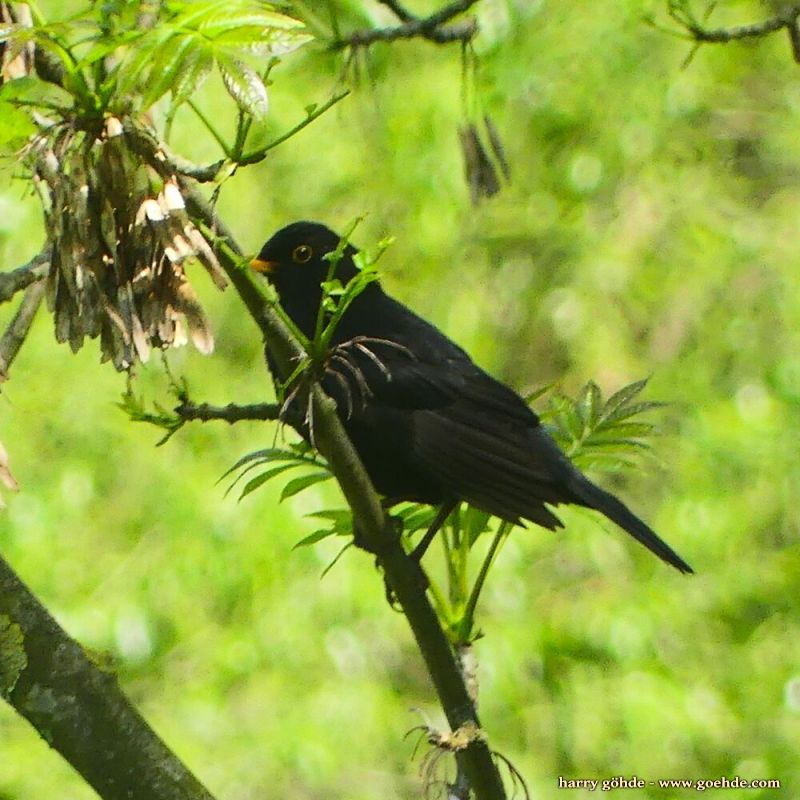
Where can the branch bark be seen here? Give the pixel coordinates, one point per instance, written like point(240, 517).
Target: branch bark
point(787, 18)
point(79, 708)
point(436, 27)
point(376, 530)
point(17, 331)
point(21, 278)
point(205, 412)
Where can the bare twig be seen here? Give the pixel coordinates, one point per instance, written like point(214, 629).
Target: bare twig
point(205, 412)
point(434, 28)
point(402, 13)
point(788, 19)
point(22, 277)
point(143, 142)
point(376, 531)
point(18, 328)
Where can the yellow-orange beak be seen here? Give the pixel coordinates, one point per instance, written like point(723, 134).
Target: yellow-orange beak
point(266, 267)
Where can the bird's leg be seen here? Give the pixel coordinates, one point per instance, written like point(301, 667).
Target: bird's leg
point(441, 516)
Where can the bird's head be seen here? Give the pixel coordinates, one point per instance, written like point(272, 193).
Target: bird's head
point(293, 260)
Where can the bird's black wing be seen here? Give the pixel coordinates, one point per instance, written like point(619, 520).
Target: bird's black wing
point(474, 436)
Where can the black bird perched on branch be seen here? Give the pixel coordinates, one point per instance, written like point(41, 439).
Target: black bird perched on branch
point(429, 425)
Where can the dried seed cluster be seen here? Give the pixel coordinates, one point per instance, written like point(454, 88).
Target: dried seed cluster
point(120, 239)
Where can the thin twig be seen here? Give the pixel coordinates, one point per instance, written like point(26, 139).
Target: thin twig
point(434, 27)
point(21, 278)
point(403, 14)
point(17, 331)
point(144, 143)
point(787, 19)
point(205, 412)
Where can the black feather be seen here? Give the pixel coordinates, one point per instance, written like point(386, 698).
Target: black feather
point(432, 426)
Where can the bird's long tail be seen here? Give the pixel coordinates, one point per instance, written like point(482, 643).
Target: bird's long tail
point(594, 497)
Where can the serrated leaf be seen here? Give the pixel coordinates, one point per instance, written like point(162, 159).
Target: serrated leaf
point(589, 404)
point(134, 67)
point(261, 40)
point(621, 443)
point(626, 412)
point(244, 85)
point(297, 485)
point(192, 75)
point(624, 395)
point(168, 64)
point(632, 429)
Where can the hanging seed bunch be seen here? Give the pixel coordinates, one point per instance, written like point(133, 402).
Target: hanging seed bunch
point(16, 62)
point(120, 239)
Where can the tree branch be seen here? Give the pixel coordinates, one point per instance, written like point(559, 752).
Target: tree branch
point(79, 708)
point(788, 19)
point(205, 412)
point(143, 142)
point(376, 530)
point(21, 278)
point(17, 330)
point(434, 27)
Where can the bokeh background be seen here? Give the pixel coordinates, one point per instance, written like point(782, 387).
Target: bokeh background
point(650, 229)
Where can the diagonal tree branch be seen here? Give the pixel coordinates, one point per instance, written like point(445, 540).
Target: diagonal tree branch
point(21, 278)
point(79, 708)
point(17, 331)
point(376, 530)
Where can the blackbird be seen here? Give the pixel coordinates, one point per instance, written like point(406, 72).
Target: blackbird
point(429, 425)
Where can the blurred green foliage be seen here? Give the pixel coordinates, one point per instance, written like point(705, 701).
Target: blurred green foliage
point(648, 229)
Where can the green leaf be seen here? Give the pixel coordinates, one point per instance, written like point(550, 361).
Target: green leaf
point(192, 75)
point(537, 393)
point(261, 479)
point(589, 404)
point(297, 485)
point(170, 62)
point(626, 412)
point(244, 85)
point(16, 128)
point(339, 516)
point(416, 518)
point(624, 396)
point(336, 559)
point(313, 538)
point(474, 522)
point(272, 454)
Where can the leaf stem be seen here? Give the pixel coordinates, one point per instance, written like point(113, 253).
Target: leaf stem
point(467, 620)
point(254, 156)
point(210, 127)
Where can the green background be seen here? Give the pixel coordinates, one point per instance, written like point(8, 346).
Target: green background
point(650, 228)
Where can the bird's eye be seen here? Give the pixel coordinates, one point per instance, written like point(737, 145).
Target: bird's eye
point(302, 254)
